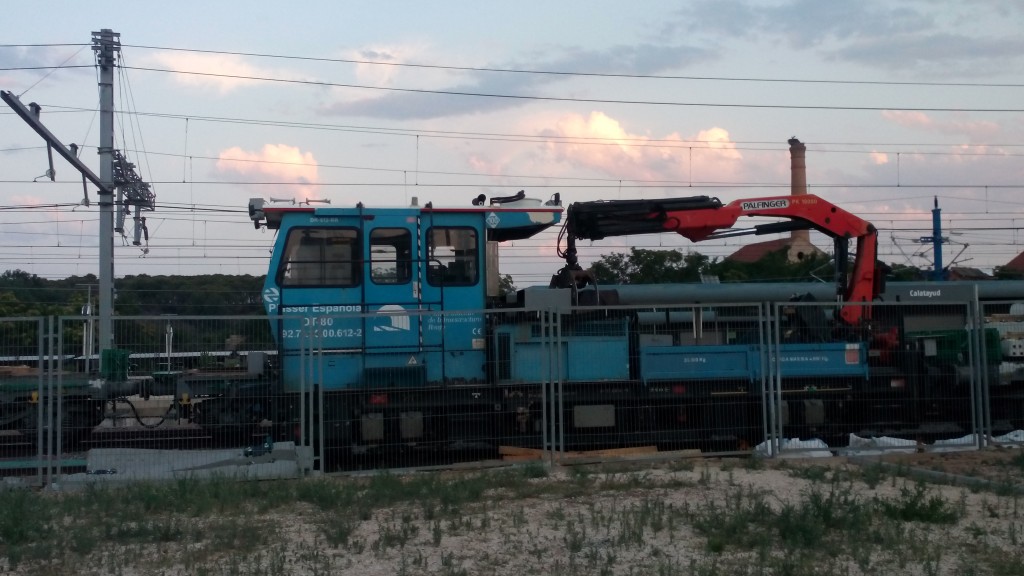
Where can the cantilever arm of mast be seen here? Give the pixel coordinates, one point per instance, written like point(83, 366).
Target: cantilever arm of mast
point(52, 140)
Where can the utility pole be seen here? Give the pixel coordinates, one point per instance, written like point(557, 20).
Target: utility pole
point(938, 271)
point(936, 240)
point(106, 44)
point(116, 172)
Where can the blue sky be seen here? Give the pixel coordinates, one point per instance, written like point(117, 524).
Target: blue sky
point(380, 102)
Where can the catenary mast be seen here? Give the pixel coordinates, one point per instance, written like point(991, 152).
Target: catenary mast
point(106, 44)
point(116, 173)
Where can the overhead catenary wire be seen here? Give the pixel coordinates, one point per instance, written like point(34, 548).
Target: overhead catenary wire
point(582, 73)
point(641, 185)
point(51, 68)
point(51, 71)
point(535, 97)
point(683, 144)
point(577, 73)
point(638, 142)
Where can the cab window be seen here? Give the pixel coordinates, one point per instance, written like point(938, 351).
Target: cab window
point(390, 256)
point(453, 259)
point(320, 257)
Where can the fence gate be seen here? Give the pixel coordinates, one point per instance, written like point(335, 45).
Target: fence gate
point(27, 400)
point(312, 412)
point(917, 375)
point(1002, 375)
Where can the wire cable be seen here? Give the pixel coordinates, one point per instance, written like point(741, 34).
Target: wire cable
point(321, 83)
point(47, 75)
point(577, 73)
point(514, 137)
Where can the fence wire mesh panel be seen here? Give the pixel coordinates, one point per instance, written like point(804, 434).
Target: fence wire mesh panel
point(398, 388)
point(178, 396)
point(907, 376)
point(1003, 377)
point(642, 379)
point(26, 400)
point(385, 387)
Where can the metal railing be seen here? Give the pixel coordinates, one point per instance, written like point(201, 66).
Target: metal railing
point(237, 396)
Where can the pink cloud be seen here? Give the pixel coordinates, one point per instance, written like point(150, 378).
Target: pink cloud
point(484, 165)
point(601, 143)
point(214, 70)
point(281, 162)
point(908, 119)
point(372, 68)
point(43, 221)
point(959, 125)
point(380, 65)
point(27, 200)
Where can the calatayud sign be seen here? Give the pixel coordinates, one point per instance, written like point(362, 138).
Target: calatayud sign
point(764, 205)
point(929, 292)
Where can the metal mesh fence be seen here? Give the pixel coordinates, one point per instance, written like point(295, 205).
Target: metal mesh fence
point(409, 389)
point(910, 372)
point(1003, 375)
point(26, 400)
point(347, 390)
point(177, 396)
point(666, 378)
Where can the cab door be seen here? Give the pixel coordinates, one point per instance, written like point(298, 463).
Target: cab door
point(453, 280)
point(316, 280)
point(394, 354)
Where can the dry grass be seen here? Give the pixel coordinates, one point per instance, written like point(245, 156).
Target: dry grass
point(687, 517)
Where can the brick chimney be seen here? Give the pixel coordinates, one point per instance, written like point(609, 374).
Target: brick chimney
point(798, 186)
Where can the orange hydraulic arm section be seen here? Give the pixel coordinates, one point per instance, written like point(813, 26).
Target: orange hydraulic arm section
point(702, 218)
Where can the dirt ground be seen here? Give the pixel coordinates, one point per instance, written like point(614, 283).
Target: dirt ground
point(725, 516)
point(995, 465)
point(932, 513)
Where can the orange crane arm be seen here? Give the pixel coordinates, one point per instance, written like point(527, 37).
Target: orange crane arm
point(701, 218)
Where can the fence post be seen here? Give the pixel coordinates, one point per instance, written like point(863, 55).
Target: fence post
point(986, 383)
point(765, 399)
point(302, 388)
point(50, 399)
point(311, 363)
point(547, 387)
point(556, 321)
point(775, 353)
point(40, 398)
point(320, 399)
point(55, 323)
point(979, 375)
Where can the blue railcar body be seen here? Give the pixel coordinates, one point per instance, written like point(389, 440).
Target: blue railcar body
point(388, 297)
point(832, 359)
point(588, 352)
point(678, 363)
point(746, 362)
point(394, 315)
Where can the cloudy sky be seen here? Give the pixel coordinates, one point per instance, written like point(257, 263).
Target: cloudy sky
point(382, 102)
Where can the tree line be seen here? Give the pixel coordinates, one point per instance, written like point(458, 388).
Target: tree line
point(643, 266)
point(23, 294)
point(26, 295)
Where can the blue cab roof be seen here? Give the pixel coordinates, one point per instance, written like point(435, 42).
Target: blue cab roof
point(513, 220)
